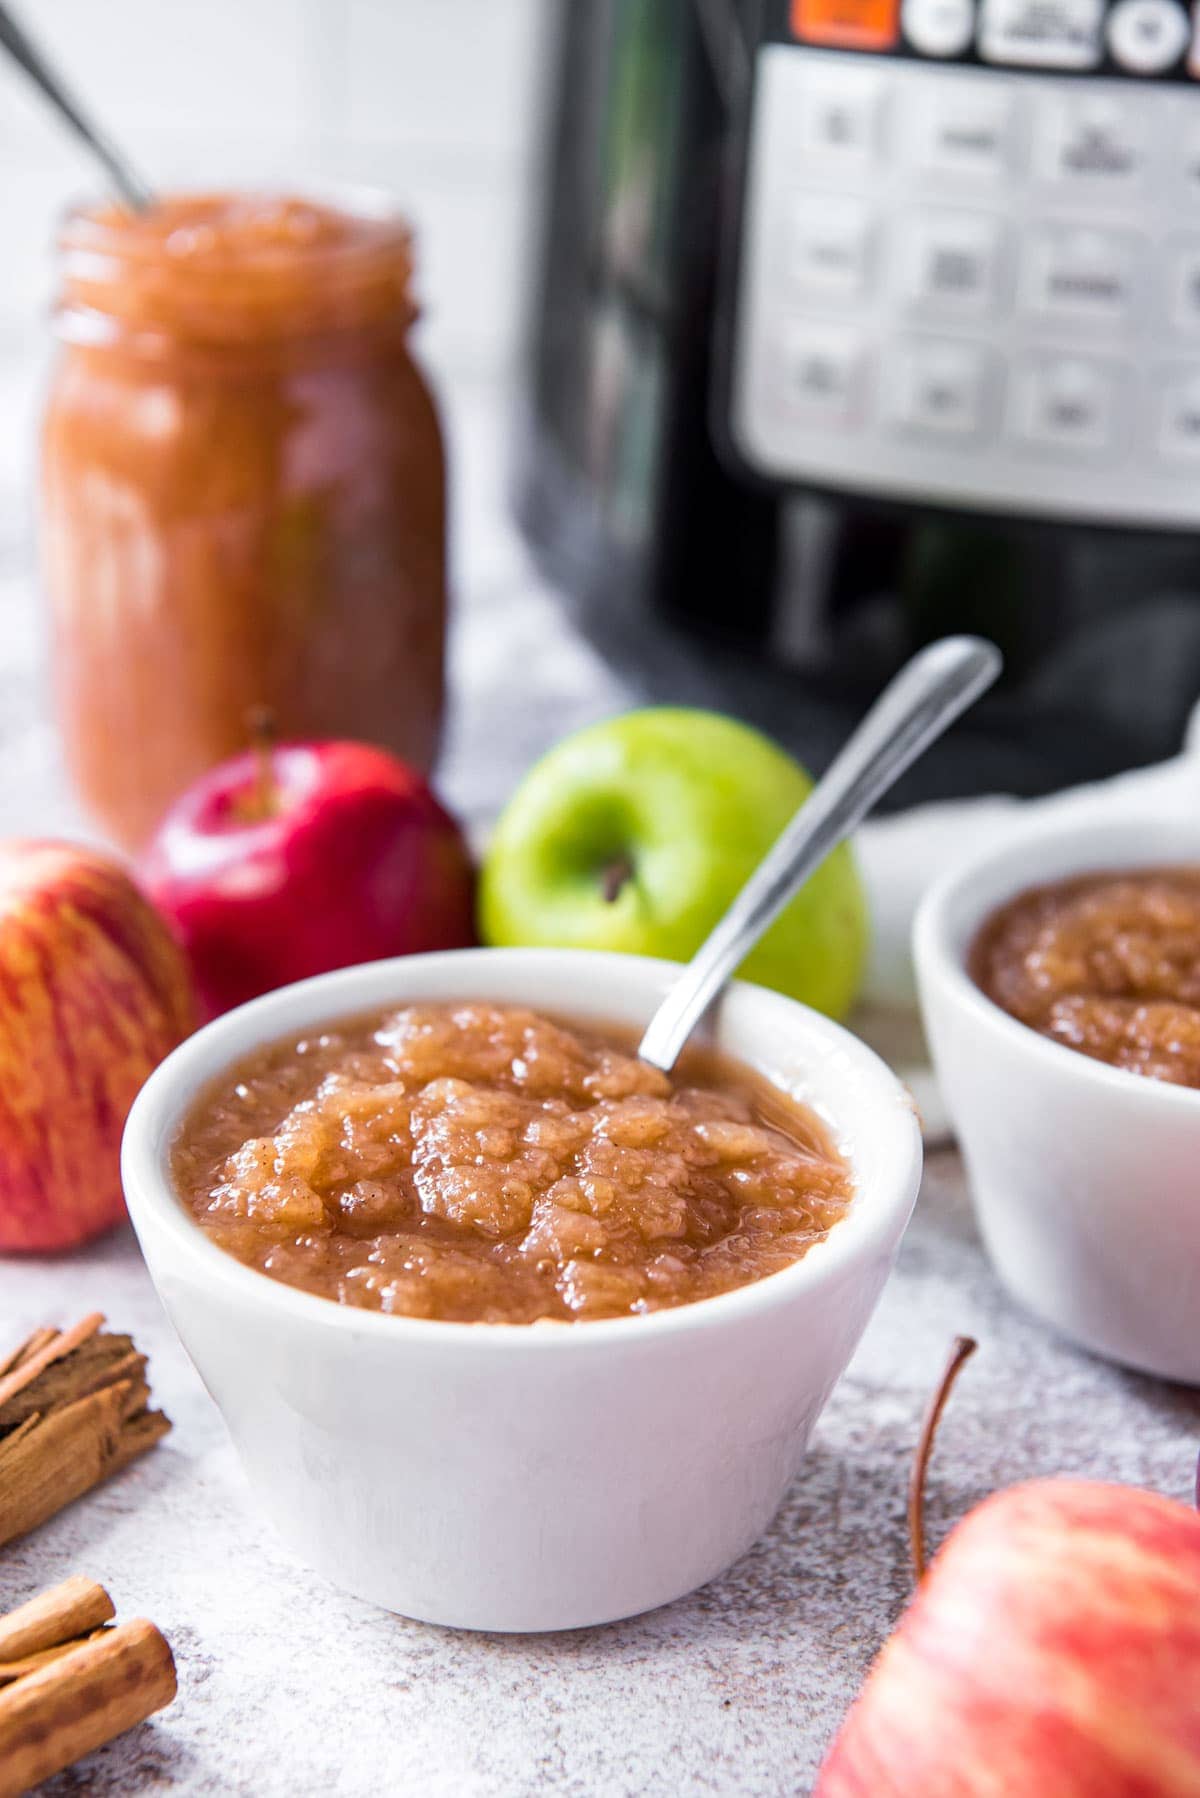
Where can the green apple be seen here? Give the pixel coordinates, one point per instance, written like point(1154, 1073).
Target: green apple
point(636, 833)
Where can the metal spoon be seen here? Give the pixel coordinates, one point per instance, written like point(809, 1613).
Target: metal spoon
point(130, 186)
point(915, 708)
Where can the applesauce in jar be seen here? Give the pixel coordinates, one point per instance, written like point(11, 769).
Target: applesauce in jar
point(1107, 963)
point(242, 493)
point(482, 1163)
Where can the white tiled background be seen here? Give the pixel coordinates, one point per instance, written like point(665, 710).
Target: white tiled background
point(435, 100)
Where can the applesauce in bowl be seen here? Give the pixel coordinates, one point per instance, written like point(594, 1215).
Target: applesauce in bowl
point(483, 1163)
point(514, 1476)
point(1107, 963)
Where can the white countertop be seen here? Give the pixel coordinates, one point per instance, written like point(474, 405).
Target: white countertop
point(285, 1685)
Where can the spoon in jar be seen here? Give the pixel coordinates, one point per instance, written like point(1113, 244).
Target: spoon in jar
point(130, 186)
point(923, 700)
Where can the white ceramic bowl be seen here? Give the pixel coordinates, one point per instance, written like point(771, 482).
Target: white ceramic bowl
point(1086, 1179)
point(529, 1477)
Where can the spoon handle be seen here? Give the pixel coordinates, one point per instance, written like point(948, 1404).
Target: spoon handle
point(131, 188)
point(925, 698)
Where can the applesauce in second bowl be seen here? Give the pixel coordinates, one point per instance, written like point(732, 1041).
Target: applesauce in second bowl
point(475, 1162)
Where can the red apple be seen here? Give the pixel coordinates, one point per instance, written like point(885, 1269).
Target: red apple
point(93, 993)
point(287, 862)
point(1053, 1651)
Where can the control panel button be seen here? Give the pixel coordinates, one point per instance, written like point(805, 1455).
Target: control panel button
point(1073, 274)
point(1090, 145)
point(949, 261)
point(1042, 34)
point(847, 24)
point(936, 389)
point(1183, 285)
point(1147, 36)
point(830, 245)
point(823, 371)
point(1179, 415)
point(938, 27)
point(839, 117)
point(963, 127)
point(1066, 404)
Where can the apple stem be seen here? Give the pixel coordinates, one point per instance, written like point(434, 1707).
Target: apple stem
point(964, 1348)
point(616, 875)
point(263, 731)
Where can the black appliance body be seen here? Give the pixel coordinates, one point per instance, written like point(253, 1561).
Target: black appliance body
point(856, 322)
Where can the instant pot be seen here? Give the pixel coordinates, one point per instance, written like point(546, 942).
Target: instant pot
point(856, 322)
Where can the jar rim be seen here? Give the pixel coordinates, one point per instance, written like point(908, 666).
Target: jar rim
point(103, 228)
point(248, 265)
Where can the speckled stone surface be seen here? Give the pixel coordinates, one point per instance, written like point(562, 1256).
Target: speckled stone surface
point(287, 1687)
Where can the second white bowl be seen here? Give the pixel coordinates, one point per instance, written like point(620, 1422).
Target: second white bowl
point(1085, 1178)
point(544, 1476)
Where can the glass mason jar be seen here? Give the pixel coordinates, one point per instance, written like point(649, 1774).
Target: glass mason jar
point(242, 494)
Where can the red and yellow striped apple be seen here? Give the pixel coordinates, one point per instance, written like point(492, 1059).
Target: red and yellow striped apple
point(1052, 1651)
point(93, 993)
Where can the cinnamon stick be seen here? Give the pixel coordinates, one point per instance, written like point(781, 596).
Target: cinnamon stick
point(73, 1411)
point(28, 1349)
point(74, 1608)
point(51, 1718)
point(29, 1663)
point(28, 1366)
point(69, 1452)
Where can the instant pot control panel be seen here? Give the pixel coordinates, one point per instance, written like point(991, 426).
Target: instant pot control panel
point(968, 268)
